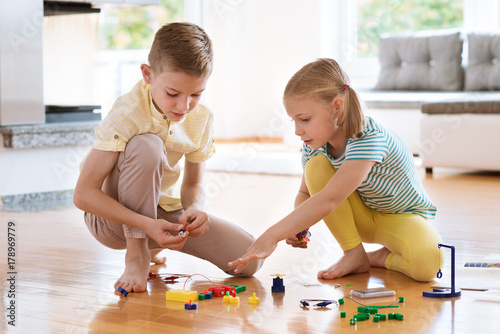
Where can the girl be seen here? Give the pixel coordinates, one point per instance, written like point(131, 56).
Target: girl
point(359, 177)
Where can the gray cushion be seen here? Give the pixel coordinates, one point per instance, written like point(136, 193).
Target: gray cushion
point(483, 71)
point(462, 107)
point(417, 62)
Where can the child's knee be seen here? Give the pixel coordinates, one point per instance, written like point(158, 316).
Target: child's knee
point(426, 264)
point(148, 148)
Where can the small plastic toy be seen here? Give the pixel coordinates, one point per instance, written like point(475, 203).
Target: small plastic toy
point(217, 291)
point(122, 291)
point(182, 233)
point(253, 299)
point(278, 284)
point(322, 302)
point(205, 295)
point(304, 236)
point(190, 305)
point(238, 288)
point(181, 295)
point(226, 297)
point(445, 293)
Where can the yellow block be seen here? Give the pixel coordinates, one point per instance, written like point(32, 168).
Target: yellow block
point(181, 295)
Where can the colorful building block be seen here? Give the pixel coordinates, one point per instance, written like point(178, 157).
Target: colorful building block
point(234, 300)
point(238, 288)
point(122, 291)
point(231, 289)
point(190, 305)
point(225, 299)
point(181, 295)
point(217, 291)
point(277, 284)
point(205, 295)
point(253, 299)
point(342, 314)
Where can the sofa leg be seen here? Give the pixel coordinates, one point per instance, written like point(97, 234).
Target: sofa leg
point(428, 170)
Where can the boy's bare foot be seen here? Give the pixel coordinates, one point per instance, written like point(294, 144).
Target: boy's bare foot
point(377, 258)
point(137, 260)
point(156, 258)
point(354, 261)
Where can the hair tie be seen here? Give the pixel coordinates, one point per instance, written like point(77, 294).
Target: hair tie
point(345, 87)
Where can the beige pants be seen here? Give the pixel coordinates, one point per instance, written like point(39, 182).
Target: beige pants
point(135, 183)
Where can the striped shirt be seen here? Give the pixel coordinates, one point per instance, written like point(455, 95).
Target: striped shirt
point(134, 113)
point(392, 185)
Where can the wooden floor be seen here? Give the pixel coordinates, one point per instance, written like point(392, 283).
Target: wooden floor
point(64, 278)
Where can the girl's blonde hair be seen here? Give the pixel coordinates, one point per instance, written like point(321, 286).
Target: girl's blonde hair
point(325, 80)
point(183, 47)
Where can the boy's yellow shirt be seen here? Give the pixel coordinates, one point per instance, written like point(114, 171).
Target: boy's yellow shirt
point(134, 113)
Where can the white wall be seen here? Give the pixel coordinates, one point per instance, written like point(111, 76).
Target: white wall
point(258, 46)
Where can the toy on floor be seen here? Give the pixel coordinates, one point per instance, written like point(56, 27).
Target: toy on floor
point(122, 291)
point(190, 305)
point(322, 302)
point(445, 293)
point(278, 284)
point(253, 299)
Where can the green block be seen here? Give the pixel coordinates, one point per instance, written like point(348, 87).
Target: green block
point(359, 317)
point(353, 321)
point(401, 299)
point(342, 314)
point(201, 296)
point(391, 315)
point(398, 316)
point(376, 318)
point(239, 288)
point(362, 309)
point(372, 310)
point(341, 301)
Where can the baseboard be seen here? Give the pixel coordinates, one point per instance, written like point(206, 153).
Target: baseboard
point(33, 202)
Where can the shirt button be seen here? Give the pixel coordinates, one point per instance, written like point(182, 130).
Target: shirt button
point(164, 117)
point(116, 136)
point(171, 132)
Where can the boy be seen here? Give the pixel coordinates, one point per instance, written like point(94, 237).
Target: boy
point(127, 180)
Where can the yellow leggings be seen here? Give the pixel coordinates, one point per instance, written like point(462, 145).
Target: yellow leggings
point(411, 239)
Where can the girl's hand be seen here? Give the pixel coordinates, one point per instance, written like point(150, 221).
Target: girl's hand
point(295, 242)
point(160, 231)
point(196, 222)
point(260, 249)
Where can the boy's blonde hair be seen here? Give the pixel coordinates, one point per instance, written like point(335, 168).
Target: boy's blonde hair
point(181, 46)
point(325, 80)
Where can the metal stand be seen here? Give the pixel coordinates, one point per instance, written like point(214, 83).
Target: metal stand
point(446, 293)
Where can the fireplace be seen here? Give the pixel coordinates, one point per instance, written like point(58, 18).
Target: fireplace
point(40, 79)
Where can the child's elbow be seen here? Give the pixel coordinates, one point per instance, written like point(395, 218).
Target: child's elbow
point(78, 199)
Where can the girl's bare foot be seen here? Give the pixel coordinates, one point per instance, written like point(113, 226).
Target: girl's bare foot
point(354, 261)
point(377, 258)
point(137, 260)
point(156, 258)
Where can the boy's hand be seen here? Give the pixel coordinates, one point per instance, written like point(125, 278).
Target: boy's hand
point(160, 231)
point(260, 249)
point(295, 242)
point(196, 222)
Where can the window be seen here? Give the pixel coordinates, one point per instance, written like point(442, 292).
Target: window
point(134, 27)
point(377, 17)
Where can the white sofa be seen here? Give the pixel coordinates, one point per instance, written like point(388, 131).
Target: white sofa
point(446, 108)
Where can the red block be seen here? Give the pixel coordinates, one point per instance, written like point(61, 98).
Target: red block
point(217, 291)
